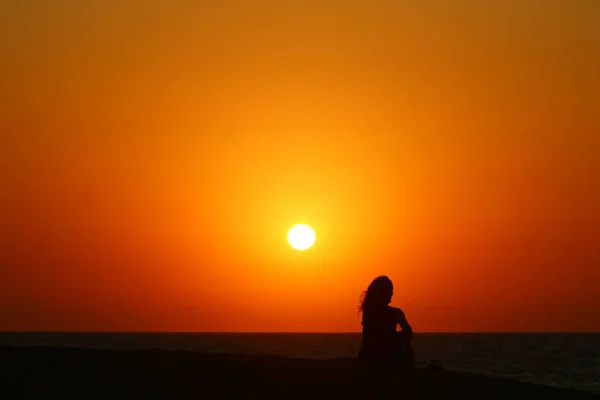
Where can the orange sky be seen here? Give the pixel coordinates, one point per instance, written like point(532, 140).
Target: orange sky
point(153, 157)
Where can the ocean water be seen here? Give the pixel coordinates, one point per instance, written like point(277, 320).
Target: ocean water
point(567, 360)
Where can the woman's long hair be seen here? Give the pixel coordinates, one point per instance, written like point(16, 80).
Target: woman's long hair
point(378, 294)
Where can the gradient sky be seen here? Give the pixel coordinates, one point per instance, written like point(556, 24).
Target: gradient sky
point(154, 154)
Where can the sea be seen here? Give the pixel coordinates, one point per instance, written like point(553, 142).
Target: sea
point(565, 360)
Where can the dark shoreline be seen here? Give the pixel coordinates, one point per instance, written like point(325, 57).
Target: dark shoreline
point(41, 372)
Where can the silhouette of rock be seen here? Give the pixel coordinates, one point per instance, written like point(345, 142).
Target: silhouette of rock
point(45, 372)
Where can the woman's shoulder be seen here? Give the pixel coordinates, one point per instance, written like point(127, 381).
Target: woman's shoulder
point(396, 311)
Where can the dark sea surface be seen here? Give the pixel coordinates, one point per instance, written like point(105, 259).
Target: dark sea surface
point(567, 360)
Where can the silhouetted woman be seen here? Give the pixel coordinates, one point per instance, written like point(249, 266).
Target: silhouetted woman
point(381, 342)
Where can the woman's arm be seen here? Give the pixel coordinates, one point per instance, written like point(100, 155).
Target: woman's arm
point(406, 328)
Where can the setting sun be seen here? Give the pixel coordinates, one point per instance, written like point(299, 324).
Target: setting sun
point(301, 237)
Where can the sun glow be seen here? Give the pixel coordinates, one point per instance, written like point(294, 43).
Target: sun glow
point(301, 237)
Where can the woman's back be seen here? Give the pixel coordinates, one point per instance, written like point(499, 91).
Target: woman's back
point(379, 335)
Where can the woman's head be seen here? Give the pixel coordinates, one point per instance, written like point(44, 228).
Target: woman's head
point(378, 294)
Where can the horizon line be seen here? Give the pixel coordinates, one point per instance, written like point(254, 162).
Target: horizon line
point(287, 332)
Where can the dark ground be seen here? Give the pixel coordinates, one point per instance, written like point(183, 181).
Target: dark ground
point(41, 372)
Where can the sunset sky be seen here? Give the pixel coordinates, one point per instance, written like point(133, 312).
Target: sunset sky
point(154, 154)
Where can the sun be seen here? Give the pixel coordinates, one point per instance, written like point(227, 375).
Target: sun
point(301, 237)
